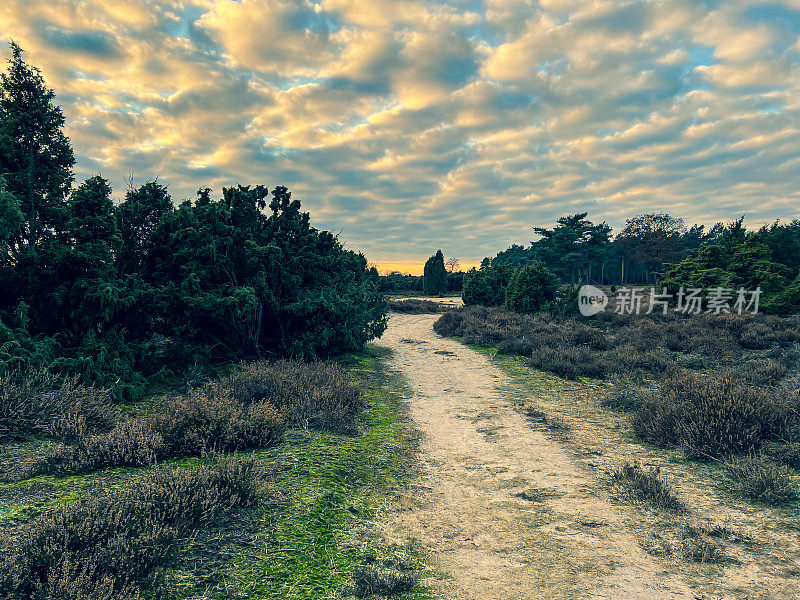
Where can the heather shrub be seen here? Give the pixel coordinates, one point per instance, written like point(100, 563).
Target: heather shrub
point(786, 452)
point(450, 323)
point(118, 545)
point(212, 419)
point(709, 417)
point(369, 581)
point(763, 480)
point(756, 336)
point(317, 394)
point(42, 404)
point(131, 443)
point(203, 420)
point(412, 305)
point(624, 359)
point(761, 372)
point(625, 397)
point(638, 486)
point(569, 362)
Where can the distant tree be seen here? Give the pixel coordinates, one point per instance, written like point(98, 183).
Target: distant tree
point(574, 249)
point(486, 286)
point(455, 281)
point(514, 256)
point(452, 264)
point(434, 278)
point(651, 240)
point(35, 155)
point(531, 288)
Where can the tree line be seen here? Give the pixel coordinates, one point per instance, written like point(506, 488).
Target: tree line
point(127, 294)
point(653, 249)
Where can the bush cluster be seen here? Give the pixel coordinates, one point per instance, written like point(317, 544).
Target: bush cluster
point(711, 417)
point(761, 479)
point(319, 394)
point(638, 485)
point(412, 305)
point(610, 344)
point(116, 545)
point(743, 400)
point(40, 403)
point(247, 409)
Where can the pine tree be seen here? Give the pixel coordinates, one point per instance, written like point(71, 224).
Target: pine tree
point(434, 280)
point(35, 155)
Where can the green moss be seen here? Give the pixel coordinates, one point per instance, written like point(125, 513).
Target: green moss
point(328, 486)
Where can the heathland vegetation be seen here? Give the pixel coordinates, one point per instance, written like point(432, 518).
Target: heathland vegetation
point(188, 409)
point(716, 384)
point(172, 395)
point(127, 295)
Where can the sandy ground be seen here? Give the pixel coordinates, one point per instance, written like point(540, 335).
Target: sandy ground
point(506, 511)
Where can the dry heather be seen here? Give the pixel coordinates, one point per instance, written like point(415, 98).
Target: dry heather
point(116, 545)
point(40, 403)
point(248, 409)
point(413, 305)
point(712, 386)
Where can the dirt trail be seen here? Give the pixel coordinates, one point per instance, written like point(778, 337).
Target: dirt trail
point(507, 512)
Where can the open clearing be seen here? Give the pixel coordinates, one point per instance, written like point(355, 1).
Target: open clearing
point(515, 509)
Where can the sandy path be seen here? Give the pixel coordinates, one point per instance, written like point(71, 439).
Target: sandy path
point(506, 511)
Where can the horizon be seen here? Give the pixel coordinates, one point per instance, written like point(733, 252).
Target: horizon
point(412, 126)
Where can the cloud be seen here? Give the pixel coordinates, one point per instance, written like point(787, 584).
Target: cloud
point(410, 125)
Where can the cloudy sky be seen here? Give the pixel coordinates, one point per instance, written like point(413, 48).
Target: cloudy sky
point(411, 126)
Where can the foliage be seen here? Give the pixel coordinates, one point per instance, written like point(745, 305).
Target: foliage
point(599, 347)
point(40, 404)
point(650, 487)
point(486, 286)
point(565, 302)
point(574, 247)
point(434, 278)
point(396, 282)
point(748, 262)
point(126, 296)
point(709, 417)
point(35, 155)
point(326, 486)
point(244, 410)
point(319, 394)
point(652, 239)
point(763, 480)
point(417, 306)
point(118, 544)
point(531, 288)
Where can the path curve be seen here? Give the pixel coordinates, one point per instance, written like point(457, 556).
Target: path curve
point(505, 510)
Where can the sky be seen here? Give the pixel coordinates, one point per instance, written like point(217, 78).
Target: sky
point(410, 126)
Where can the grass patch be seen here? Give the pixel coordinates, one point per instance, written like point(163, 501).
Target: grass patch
point(640, 486)
point(763, 480)
point(328, 484)
point(118, 544)
point(308, 538)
